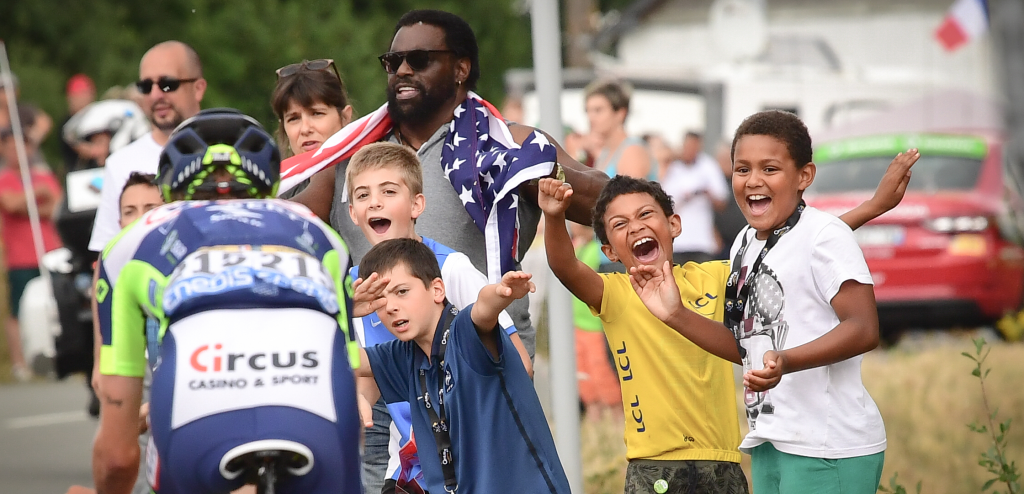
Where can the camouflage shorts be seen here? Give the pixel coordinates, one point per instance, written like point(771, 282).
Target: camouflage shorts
point(685, 477)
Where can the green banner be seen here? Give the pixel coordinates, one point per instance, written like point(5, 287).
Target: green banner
point(891, 145)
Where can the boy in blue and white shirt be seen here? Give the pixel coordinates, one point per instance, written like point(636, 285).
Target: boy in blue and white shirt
point(384, 185)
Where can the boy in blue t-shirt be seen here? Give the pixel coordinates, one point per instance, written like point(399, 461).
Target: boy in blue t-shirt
point(384, 184)
point(476, 417)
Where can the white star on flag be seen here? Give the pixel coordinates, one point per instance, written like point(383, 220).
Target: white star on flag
point(540, 140)
point(500, 161)
point(483, 137)
point(455, 166)
point(488, 179)
point(457, 139)
point(466, 196)
point(459, 109)
point(515, 202)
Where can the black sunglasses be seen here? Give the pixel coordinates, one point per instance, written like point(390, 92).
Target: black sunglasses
point(166, 84)
point(319, 64)
point(417, 59)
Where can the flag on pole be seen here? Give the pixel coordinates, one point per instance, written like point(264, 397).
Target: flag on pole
point(965, 21)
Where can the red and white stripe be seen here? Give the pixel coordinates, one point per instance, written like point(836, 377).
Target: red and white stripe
point(343, 144)
point(965, 21)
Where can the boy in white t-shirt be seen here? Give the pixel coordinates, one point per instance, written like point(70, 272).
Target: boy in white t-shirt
point(799, 301)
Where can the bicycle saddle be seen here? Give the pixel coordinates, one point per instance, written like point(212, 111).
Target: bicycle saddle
point(289, 456)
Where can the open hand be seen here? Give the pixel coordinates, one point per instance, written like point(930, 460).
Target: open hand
point(657, 289)
point(767, 378)
point(553, 196)
point(894, 183)
point(368, 295)
point(515, 285)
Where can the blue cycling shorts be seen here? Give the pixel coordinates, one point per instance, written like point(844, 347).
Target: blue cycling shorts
point(230, 377)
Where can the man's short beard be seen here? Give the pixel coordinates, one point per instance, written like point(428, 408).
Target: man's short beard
point(168, 127)
point(430, 103)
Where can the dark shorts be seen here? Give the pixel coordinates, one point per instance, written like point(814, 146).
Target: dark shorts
point(18, 279)
point(685, 477)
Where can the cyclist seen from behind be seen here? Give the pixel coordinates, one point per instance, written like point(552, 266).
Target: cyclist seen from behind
point(240, 306)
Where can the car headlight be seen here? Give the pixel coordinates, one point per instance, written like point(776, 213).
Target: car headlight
point(957, 224)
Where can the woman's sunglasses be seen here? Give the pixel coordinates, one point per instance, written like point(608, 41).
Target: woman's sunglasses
point(417, 59)
point(320, 64)
point(166, 84)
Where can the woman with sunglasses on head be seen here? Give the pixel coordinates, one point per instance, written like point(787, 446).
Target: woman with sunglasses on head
point(310, 103)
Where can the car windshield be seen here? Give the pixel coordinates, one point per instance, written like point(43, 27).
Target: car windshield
point(931, 174)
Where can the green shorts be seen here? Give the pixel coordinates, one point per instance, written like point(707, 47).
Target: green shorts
point(684, 477)
point(18, 279)
point(776, 472)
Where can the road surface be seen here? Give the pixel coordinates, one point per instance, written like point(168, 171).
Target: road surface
point(45, 437)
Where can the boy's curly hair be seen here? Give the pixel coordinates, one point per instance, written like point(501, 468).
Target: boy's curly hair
point(622, 185)
point(782, 125)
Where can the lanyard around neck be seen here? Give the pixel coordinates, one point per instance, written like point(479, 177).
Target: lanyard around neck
point(438, 418)
point(735, 298)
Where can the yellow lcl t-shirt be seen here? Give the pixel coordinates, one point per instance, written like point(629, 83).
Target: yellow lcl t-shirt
point(679, 400)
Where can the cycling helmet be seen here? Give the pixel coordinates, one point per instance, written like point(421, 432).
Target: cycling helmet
point(219, 138)
point(122, 119)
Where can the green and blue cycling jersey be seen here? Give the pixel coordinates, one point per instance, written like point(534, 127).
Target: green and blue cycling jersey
point(189, 257)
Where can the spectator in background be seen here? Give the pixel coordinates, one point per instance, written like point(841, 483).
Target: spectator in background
point(19, 249)
point(310, 103)
point(729, 220)
point(171, 82)
point(41, 122)
point(80, 92)
point(660, 151)
point(696, 186)
point(607, 105)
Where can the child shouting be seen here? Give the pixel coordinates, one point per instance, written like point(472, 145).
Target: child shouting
point(799, 301)
point(682, 429)
point(384, 183)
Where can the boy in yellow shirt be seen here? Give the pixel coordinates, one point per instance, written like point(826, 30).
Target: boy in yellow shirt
point(682, 427)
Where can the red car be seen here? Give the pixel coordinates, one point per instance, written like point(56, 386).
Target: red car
point(950, 253)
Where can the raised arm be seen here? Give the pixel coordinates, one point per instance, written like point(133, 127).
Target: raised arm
point(554, 198)
point(658, 291)
point(889, 192)
point(495, 298)
point(586, 181)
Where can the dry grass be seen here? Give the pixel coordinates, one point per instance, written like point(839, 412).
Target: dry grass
point(927, 397)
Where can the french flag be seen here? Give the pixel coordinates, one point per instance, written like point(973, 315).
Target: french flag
point(966, 20)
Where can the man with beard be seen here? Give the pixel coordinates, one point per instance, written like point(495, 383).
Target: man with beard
point(432, 66)
point(172, 85)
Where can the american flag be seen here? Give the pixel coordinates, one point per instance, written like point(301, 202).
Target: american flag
point(480, 159)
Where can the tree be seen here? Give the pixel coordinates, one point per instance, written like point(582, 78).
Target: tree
point(241, 43)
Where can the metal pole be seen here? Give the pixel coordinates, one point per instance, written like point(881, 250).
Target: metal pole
point(26, 171)
point(547, 66)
